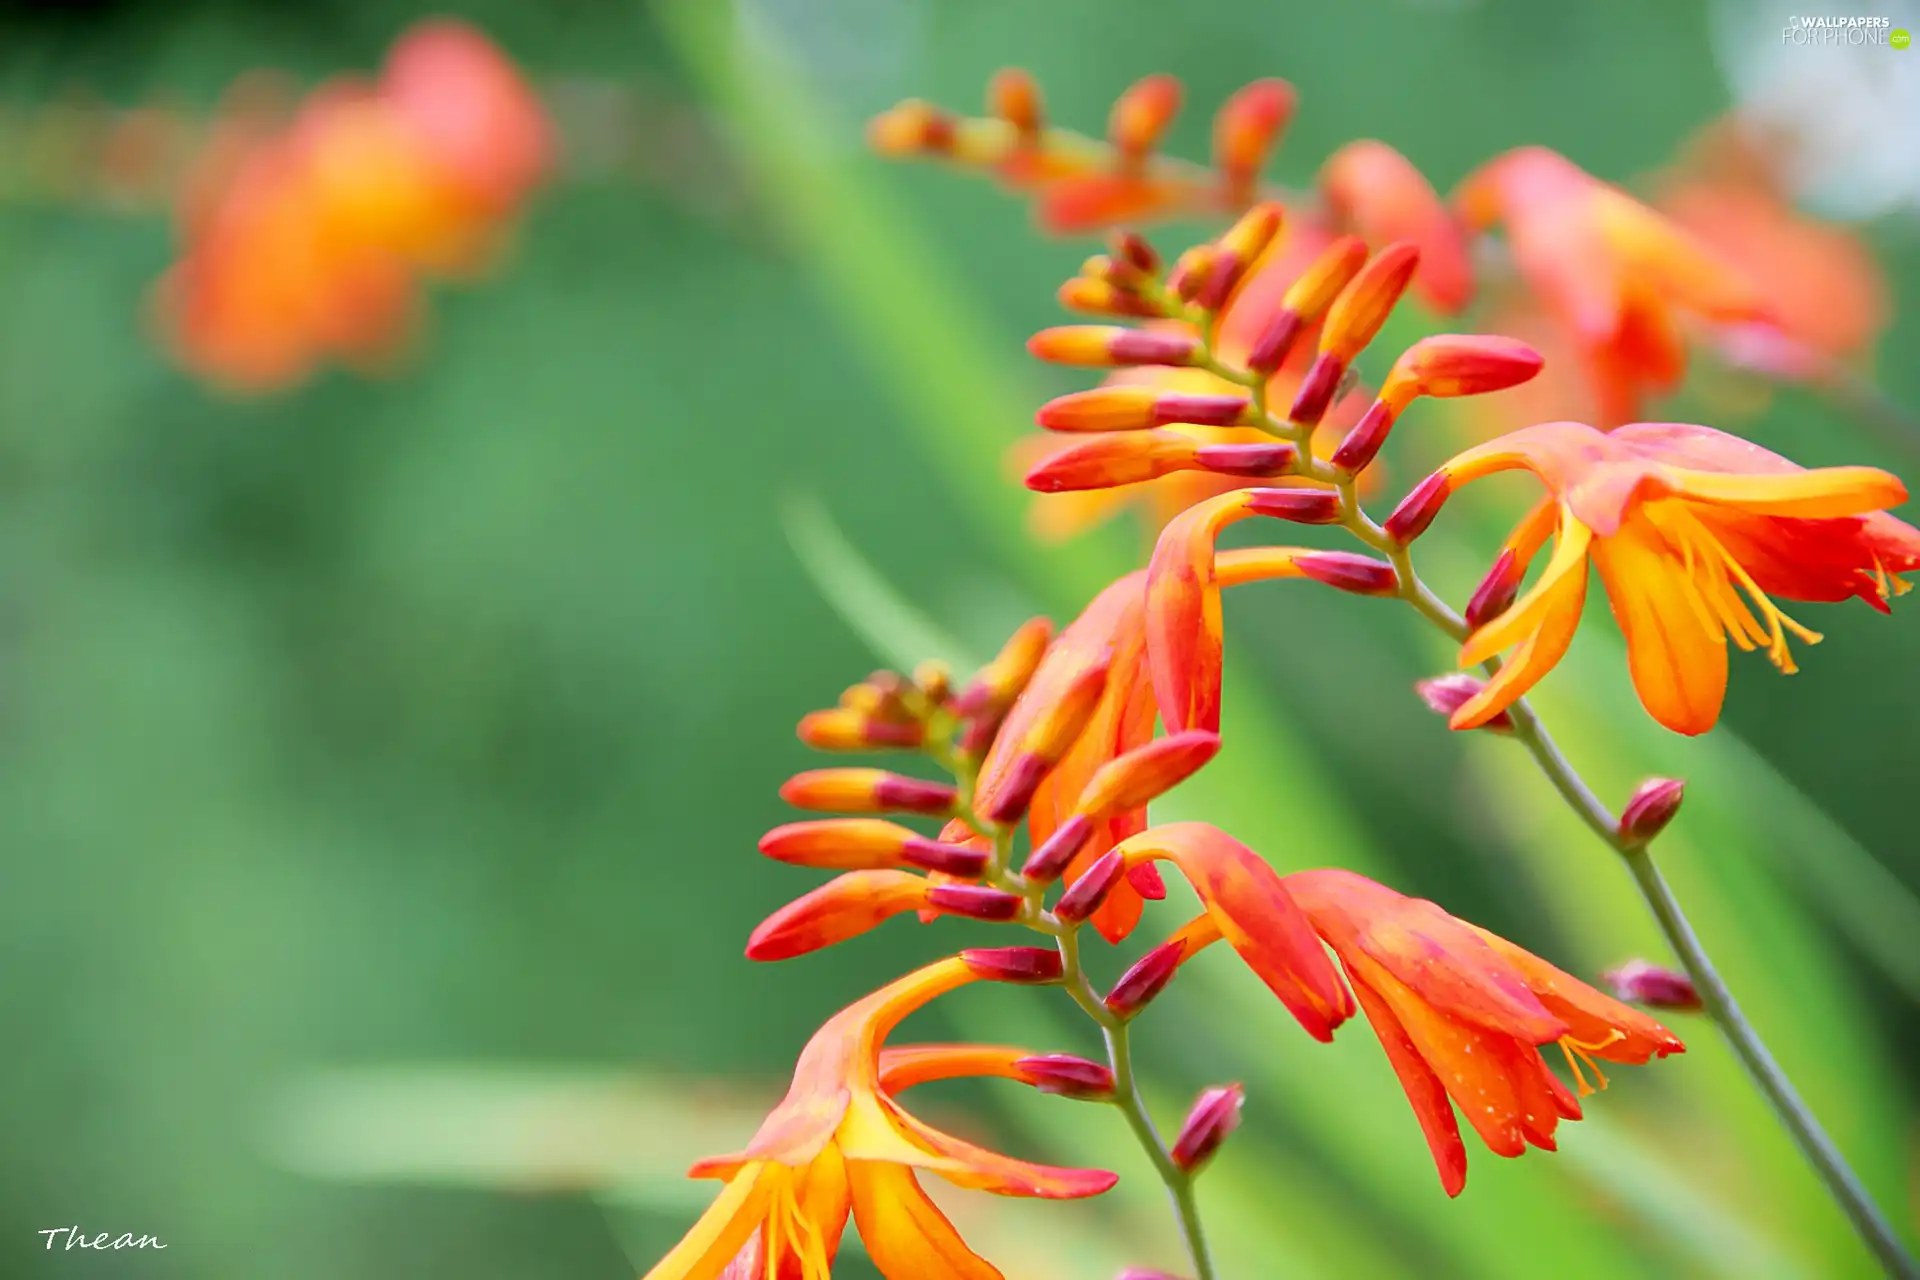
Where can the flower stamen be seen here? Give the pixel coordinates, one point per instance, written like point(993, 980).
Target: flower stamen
point(1711, 574)
point(1579, 1051)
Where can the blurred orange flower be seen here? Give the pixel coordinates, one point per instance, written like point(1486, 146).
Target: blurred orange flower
point(305, 242)
point(840, 1144)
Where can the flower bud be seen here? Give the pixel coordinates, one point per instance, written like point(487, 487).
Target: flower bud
point(1091, 889)
point(1014, 96)
point(1099, 346)
point(1446, 694)
point(1115, 458)
point(1145, 1273)
point(1362, 575)
point(1497, 591)
point(1132, 248)
point(843, 729)
point(1135, 408)
point(1049, 862)
point(1047, 740)
point(911, 128)
point(1066, 1075)
point(1102, 298)
point(867, 791)
point(1317, 388)
point(1259, 461)
point(1651, 808)
point(1215, 1114)
point(962, 862)
point(1302, 506)
point(1244, 241)
point(1141, 115)
point(1305, 299)
point(934, 679)
point(1147, 978)
point(1190, 271)
point(1362, 444)
point(1459, 364)
point(1001, 680)
point(975, 901)
point(1247, 126)
point(1417, 510)
point(842, 844)
point(1363, 306)
point(1653, 986)
point(1023, 966)
point(1132, 779)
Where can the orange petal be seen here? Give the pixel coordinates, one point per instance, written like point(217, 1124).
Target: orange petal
point(905, 1066)
point(721, 1232)
point(1591, 1016)
point(1183, 618)
point(1256, 915)
point(904, 1232)
point(1676, 654)
point(1423, 1088)
point(976, 1168)
point(844, 907)
point(1378, 191)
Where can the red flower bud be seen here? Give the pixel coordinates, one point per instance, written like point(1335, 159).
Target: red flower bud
point(1362, 444)
point(1145, 1273)
point(1099, 346)
point(1362, 575)
point(1066, 1075)
point(1024, 966)
point(1130, 780)
point(1651, 808)
point(1047, 740)
point(1136, 408)
point(1141, 115)
point(1275, 343)
point(842, 844)
point(867, 791)
point(1416, 511)
point(1258, 461)
point(1653, 986)
point(1091, 889)
point(1116, 458)
point(1147, 978)
point(999, 682)
point(1215, 1114)
point(1014, 96)
point(1497, 591)
point(1446, 694)
point(975, 901)
point(1132, 248)
point(1317, 389)
point(1244, 241)
point(1049, 862)
point(1302, 506)
point(845, 729)
point(1459, 364)
point(1191, 270)
point(1102, 298)
point(911, 128)
point(957, 860)
point(1246, 128)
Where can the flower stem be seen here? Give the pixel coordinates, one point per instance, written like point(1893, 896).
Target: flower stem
point(1126, 1097)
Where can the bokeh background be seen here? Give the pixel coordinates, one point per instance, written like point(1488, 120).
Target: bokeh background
point(381, 762)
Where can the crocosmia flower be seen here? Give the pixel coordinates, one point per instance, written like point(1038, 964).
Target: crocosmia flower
point(1694, 532)
point(840, 1144)
point(1463, 1015)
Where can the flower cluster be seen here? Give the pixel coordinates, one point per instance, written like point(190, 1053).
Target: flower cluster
point(304, 239)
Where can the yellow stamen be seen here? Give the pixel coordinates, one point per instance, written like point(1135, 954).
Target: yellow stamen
point(789, 1231)
point(1579, 1051)
point(1711, 574)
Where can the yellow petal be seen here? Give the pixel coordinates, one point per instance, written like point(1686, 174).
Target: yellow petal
point(722, 1231)
point(1678, 660)
point(906, 1235)
point(1824, 493)
point(1564, 571)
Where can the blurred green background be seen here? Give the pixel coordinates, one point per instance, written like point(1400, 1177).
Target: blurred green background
point(426, 725)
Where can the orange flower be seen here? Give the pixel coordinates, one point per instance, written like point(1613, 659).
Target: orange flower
point(1463, 1014)
point(1681, 521)
point(1614, 273)
point(840, 1144)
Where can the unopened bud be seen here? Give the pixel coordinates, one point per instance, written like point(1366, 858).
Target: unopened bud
point(1259, 461)
point(1103, 298)
point(1497, 591)
point(1247, 126)
point(1417, 510)
point(1148, 771)
point(911, 128)
point(1047, 740)
point(1107, 460)
point(1446, 694)
point(1014, 96)
point(934, 680)
point(1362, 575)
point(1001, 680)
point(1244, 241)
point(1135, 408)
point(1362, 444)
point(962, 862)
point(1024, 966)
point(975, 901)
point(1364, 305)
point(1096, 346)
point(1049, 861)
point(842, 844)
point(1317, 388)
point(1086, 894)
point(1141, 115)
point(1147, 978)
point(1066, 1075)
point(842, 729)
point(1459, 364)
point(1190, 271)
point(1302, 506)
point(1131, 247)
point(1215, 1114)
point(1651, 808)
point(1649, 984)
point(867, 791)
point(1145, 1273)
